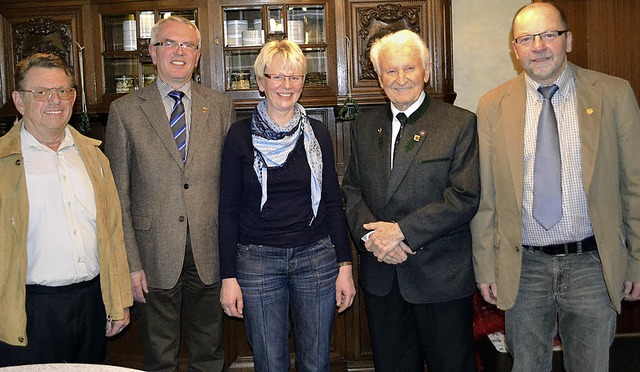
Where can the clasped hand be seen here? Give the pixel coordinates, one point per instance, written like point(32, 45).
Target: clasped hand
point(387, 242)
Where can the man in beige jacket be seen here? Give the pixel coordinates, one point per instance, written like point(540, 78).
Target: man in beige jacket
point(571, 273)
point(64, 277)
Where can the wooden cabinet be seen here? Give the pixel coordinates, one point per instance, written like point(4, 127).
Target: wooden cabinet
point(335, 36)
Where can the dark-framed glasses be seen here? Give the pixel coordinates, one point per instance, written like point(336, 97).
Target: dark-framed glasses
point(175, 45)
point(293, 79)
point(43, 94)
point(551, 35)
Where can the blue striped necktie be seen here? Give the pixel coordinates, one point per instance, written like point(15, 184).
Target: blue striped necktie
point(547, 169)
point(178, 123)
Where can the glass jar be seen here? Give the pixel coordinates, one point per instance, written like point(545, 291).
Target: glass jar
point(124, 84)
point(241, 79)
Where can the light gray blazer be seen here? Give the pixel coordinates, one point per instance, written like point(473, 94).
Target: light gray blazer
point(609, 121)
point(160, 195)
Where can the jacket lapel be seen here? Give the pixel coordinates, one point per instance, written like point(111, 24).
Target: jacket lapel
point(199, 116)
point(414, 135)
point(513, 108)
point(153, 108)
point(589, 107)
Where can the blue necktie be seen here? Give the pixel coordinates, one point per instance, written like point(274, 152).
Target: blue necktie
point(547, 171)
point(178, 123)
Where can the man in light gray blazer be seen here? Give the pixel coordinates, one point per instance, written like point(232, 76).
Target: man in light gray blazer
point(412, 199)
point(167, 179)
point(571, 276)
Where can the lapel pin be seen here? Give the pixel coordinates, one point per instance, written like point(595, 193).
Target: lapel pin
point(589, 111)
point(204, 109)
point(416, 137)
point(379, 130)
point(423, 133)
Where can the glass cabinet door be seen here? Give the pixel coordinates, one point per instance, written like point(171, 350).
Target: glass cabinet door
point(247, 28)
point(126, 62)
point(119, 53)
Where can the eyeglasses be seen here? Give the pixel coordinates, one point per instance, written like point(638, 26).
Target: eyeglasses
point(526, 40)
point(175, 45)
point(43, 94)
point(293, 79)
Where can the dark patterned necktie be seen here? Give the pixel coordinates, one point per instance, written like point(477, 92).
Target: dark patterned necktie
point(402, 118)
point(547, 172)
point(178, 123)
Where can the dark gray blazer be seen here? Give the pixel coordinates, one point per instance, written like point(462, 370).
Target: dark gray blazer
point(159, 194)
point(432, 193)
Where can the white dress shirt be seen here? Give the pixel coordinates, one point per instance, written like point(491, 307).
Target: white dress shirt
point(62, 245)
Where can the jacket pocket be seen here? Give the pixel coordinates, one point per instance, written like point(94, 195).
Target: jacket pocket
point(429, 161)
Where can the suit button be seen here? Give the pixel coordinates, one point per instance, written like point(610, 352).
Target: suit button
point(181, 218)
point(20, 339)
point(186, 186)
point(517, 249)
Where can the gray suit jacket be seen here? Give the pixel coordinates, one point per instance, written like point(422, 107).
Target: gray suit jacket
point(609, 122)
point(432, 193)
point(160, 195)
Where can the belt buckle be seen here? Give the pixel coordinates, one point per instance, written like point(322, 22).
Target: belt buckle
point(579, 247)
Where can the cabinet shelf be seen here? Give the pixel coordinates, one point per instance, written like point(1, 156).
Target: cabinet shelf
point(254, 24)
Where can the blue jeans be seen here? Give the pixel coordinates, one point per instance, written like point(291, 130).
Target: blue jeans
point(275, 281)
point(566, 293)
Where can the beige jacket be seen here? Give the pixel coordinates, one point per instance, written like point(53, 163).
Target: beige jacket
point(14, 219)
point(609, 122)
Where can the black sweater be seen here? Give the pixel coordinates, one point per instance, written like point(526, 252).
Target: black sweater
point(285, 217)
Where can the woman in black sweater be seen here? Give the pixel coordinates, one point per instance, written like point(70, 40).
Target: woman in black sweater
point(283, 236)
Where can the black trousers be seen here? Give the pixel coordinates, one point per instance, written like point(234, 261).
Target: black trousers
point(64, 324)
point(404, 335)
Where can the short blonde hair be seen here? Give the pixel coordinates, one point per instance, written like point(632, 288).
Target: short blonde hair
point(290, 52)
point(401, 37)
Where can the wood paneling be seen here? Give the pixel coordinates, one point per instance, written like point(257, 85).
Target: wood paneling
point(605, 36)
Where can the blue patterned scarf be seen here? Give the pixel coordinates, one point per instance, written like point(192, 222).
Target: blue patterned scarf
point(273, 143)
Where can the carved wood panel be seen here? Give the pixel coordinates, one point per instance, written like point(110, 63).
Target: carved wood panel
point(44, 35)
point(378, 21)
point(369, 20)
point(43, 30)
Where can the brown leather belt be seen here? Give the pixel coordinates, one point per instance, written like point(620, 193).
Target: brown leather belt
point(585, 245)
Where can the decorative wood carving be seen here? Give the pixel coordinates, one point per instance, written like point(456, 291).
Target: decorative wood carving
point(374, 23)
point(44, 35)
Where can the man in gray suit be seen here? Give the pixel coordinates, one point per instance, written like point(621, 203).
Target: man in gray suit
point(164, 145)
point(411, 189)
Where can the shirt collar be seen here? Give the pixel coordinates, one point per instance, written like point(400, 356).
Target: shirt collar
point(412, 108)
point(564, 82)
point(165, 88)
point(27, 140)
